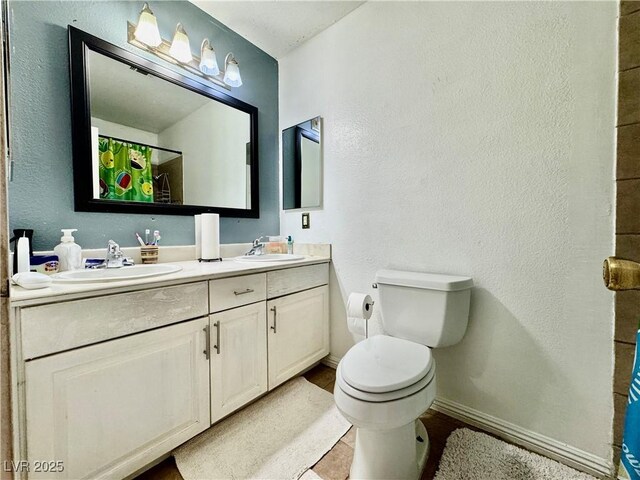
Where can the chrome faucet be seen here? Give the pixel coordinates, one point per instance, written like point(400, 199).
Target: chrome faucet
point(115, 258)
point(257, 247)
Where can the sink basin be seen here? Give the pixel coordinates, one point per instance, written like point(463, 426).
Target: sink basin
point(115, 274)
point(270, 257)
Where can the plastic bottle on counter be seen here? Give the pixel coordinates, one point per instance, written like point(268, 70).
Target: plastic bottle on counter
point(68, 251)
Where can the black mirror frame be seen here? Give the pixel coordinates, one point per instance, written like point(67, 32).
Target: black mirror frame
point(79, 44)
point(314, 137)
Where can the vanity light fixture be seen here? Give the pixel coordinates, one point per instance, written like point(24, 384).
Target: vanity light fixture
point(180, 47)
point(147, 30)
point(208, 61)
point(231, 71)
point(146, 36)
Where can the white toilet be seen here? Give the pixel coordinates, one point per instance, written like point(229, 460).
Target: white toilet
point(384, 383)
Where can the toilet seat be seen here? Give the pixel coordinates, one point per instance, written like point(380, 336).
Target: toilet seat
point(386, 396)
point(383, 364)
point(383, 368)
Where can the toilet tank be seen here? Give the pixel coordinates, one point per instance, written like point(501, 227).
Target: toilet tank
point(426, 308)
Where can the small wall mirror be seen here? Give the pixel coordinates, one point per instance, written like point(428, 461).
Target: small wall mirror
point(149, 139)
point(302, 165)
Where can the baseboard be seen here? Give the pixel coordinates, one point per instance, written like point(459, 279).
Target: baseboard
point(330, 361)
point(536, 442)
point(563, 453)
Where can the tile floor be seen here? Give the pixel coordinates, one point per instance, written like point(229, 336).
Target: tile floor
point(335, 464)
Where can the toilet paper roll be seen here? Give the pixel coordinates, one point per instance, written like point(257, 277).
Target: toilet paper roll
point(359, 305)
point(359, 310)
point(210, 236)
point(198, 220)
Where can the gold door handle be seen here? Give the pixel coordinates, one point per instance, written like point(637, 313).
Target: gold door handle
point(620, 274)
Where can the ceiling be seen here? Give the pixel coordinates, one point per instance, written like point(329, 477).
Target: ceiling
point(121, 95)
point(277, 26)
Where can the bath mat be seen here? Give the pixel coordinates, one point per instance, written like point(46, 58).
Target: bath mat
point(279, 437)
point(477, 456)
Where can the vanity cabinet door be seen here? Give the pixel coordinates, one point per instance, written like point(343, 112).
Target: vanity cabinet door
point(238, 358)
point(298, 333)
point(109, 409)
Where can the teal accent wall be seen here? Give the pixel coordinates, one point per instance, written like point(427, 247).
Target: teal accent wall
point(41, 193)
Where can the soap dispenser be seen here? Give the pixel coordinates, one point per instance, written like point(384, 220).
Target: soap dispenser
point(68, 251)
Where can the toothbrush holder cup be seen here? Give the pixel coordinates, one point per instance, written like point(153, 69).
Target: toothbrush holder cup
point(149, 254)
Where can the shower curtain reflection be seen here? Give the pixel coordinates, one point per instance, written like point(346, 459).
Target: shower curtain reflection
point(125, 171)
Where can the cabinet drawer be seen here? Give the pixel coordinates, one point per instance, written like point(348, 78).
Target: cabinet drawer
point(61, 326)
point(233, 292)
point(291, 280)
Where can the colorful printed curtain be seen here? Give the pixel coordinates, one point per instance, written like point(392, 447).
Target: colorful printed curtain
point(630, 457)
point(125, 171)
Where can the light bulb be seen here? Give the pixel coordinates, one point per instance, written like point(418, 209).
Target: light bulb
point(208, 61)
point(232, 71)
point(180, 48)
point(147, 28)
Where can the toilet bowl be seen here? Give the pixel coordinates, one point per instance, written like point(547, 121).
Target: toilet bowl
point(383, 384)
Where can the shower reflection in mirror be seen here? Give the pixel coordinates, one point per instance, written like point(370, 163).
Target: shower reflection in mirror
point(156, 142)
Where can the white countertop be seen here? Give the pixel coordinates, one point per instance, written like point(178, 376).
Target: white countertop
point(192, 271)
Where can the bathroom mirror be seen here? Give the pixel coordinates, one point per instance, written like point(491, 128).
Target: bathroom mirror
point(147, 139)
point(302, 165)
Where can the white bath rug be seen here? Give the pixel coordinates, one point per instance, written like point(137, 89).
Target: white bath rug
point(473, 455)
point(278, 437)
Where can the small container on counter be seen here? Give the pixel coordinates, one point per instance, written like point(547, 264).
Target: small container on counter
point(92, 262)
point(149, 254)
point(276, 245)
point(47, 264)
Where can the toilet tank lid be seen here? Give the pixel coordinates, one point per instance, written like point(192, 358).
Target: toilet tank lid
point(431, 281)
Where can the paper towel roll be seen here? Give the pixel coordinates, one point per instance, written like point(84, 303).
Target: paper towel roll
point(359, 310)
point(198, 220)
point(210, 236)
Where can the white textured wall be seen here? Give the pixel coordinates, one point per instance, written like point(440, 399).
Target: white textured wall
point(477, 139)
point(213, 143)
